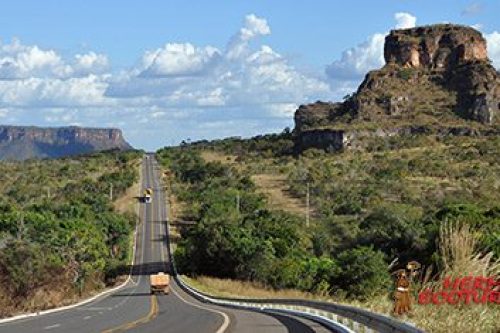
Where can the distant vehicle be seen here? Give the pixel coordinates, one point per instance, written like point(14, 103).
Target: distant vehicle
point(148, 194)
point(160, 283)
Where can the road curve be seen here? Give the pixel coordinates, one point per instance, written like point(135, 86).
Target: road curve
point(133, 309)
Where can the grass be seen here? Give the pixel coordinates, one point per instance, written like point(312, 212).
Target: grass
point(215, 156)
point(422, 172)
point(458, 247)
point(272, 183)
point(431, 318)
point(127, 202)
point(276, 189)
point(244, 289)
point(175, 212)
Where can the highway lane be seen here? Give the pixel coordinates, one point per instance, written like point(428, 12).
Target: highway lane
point(109, 310)
point(133, 309)
point(168, 319)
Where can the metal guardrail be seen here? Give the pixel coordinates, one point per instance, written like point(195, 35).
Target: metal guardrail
point(341, 318)
point(338, 317)
point(315, 315)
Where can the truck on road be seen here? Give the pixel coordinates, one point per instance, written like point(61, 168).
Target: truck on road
point(147, 195)
point(160, 283)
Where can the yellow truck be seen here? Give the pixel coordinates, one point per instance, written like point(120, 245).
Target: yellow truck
point(160, 283)
point(148, 193)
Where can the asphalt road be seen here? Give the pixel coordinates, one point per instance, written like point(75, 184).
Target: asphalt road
point(133, 309)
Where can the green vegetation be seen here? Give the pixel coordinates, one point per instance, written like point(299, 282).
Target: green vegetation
point(372, 211)
point(406, 73)
point(59, 235)
point(252, 242)
point(384, 205)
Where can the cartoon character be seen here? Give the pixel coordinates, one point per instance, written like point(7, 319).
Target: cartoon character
point(402, 298)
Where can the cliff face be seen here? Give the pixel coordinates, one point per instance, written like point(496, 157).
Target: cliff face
point(435, 47)
point(19, 142)
point(435, 76)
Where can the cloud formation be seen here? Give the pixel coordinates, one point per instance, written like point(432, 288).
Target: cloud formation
point(405, 20)
point(493, 45)
point(366, 56)
point(183, 75)
point(179, 60)
point(472, 9)
point(254, 27)
point(18, 61)
point(182, 90)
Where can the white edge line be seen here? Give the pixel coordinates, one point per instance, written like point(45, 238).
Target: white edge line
point(224, 325)
point(88, 300)
point(51, 326)
point(318, 318)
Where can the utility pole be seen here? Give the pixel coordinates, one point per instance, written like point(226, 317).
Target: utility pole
point(238, 203)
point(307, 206)
point(111, 191)
point(48, 192)
point(20, 227)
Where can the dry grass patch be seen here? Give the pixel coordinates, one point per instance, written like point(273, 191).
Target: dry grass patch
point(276, 189)
point(244, 289)
point(215, 156)
point(433, 319)
point(126, 203)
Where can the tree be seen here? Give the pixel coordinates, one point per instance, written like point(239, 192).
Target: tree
point(363, 272)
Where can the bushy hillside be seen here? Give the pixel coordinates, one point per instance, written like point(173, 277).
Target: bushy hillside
point(371, 212)
point(60, 237)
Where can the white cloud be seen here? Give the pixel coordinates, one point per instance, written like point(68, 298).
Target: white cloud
point(181, 89)
point(179, 60)
point(493, 45)
point(254, 27)
point(285, 110)
point(91, 63)
point(37, 92)
point(472, 9)
point(405, 20)
point(477, 26)
point(357, 61)
point(18, 61)
point(368, 55)
point(183, 75)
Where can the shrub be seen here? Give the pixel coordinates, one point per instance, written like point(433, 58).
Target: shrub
point(24, 267)
point(363, 272)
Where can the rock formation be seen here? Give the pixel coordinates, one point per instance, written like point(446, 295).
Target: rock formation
point(435, 47)
point(20, 142)
point(434, 77)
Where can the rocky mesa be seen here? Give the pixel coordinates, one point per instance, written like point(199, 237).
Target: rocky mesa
point(24, 142)
point(436, 79)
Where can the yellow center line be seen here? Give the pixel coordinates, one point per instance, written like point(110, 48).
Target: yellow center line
point(153, 312)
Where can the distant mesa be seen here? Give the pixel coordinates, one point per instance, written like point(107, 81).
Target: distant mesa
point(437, 79)
point(25, 142)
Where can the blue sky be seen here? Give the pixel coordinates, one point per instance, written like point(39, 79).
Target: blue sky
point(165, 71)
